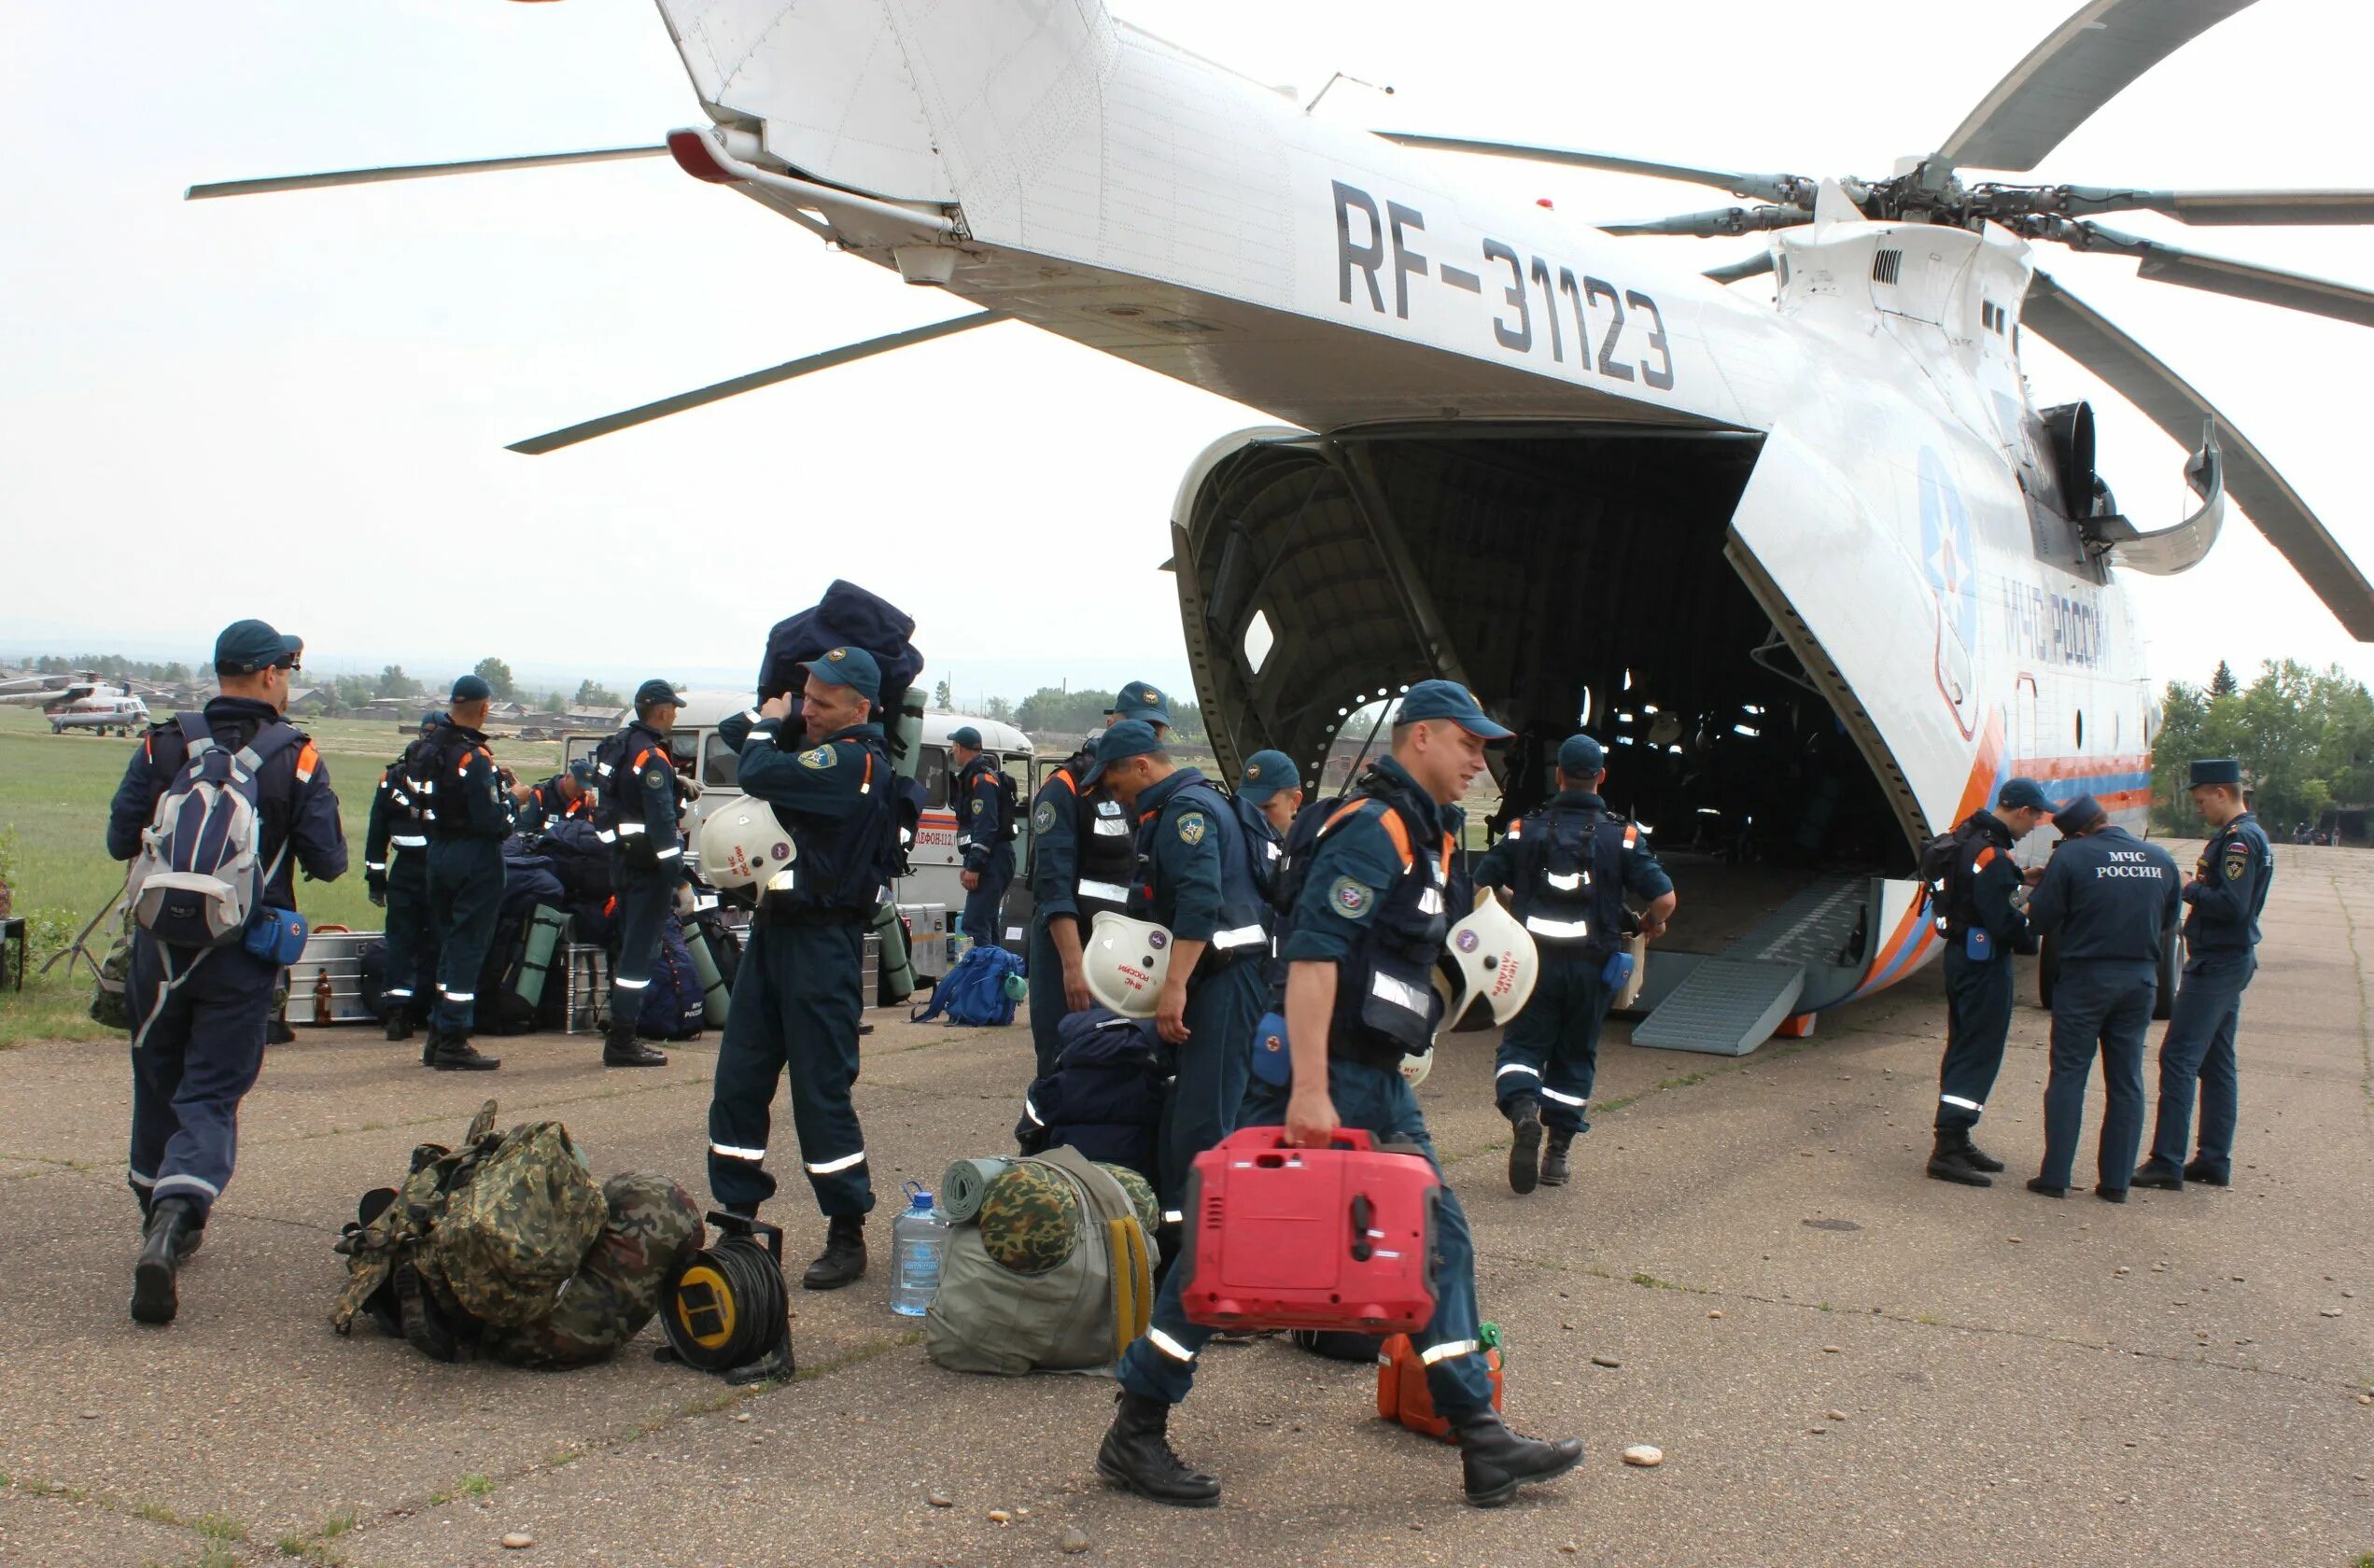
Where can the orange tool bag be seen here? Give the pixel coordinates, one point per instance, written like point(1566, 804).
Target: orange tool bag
point(1402, 1394)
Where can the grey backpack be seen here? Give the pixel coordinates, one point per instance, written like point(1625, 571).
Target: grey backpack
point(1082, 1313)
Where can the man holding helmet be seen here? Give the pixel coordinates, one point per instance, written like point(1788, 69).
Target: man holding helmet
point(1368, 929)
point(1569, 866)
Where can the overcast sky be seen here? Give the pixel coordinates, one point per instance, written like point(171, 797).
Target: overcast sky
point(295, 406)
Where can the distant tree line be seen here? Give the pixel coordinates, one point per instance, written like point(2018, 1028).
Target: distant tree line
point(2305, 739)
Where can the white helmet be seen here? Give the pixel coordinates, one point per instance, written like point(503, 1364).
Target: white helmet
point(1126, 960)
point(744, 847)
point(1487, 955)
point(1414, 1068)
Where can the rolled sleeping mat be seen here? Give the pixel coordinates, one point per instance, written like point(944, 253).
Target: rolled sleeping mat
point(539, 943)
point(896, 965)
point(714, 996)
point(964, 1184)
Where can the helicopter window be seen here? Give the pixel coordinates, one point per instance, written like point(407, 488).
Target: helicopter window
point(1258, 640)
point(2081, 730)
point(1782, 267)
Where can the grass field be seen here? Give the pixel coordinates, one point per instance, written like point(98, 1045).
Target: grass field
point(53, 812)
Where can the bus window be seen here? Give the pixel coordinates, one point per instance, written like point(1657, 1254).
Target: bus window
point(720, 762)
point(931, 771)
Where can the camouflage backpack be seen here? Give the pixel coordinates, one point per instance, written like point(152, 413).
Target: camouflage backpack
point(654, 1230)
point(107, 1003)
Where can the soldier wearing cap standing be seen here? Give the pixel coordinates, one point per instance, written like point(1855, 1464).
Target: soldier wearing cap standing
point(2223, 902)
point(198, 1014)
point(640, 806)
point(471, 816)
point(799, 989)
point(1567, 865)
point(1981, 931)
point(2109, 902)
point(1368, 927)
point(1083, 849)
point(396, 875)
point(984, 836)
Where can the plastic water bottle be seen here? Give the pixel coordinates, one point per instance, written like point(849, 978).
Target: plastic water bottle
point(918, 1243)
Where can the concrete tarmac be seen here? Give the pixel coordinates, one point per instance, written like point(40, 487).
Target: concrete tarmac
point(1844, 1362)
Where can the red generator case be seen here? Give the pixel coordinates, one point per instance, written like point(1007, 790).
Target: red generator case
point(1335, 1238)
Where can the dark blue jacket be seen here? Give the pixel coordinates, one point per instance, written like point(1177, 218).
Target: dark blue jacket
point(470, 799)
point(649, 798)
point(1618, 858)
point(979, 801)
point(2228, 888)
point(1104, 1097)
point(300, 809)
point(1194, 876)
point(837, 798)
point(2107, 895)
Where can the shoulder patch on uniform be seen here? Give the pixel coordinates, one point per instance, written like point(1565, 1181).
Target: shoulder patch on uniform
point(1352, 899)
point(979, 806)
point(654, 777)
point(1042, 819)
point(2238, 860)
point(822, 757)
point(1191, 828)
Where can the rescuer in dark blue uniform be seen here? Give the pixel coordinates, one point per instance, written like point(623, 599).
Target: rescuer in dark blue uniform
point(1266, 799)
point(198, 1016)
point(1194, 879)
point(556, 799)
point(1569, 866)
point(2223, 902)
point(1981, 931)
point(471, 817)
point(396, 874)
point(641, 801)
point(2109, 900)
point(984, 836)
point(798, 991)
point(1368, 927)
point(1083, 851)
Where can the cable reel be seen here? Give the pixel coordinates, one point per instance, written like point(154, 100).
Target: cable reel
point(729, 1311)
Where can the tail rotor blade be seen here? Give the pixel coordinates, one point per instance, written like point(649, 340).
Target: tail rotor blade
point(718, 391)
point(414, 171)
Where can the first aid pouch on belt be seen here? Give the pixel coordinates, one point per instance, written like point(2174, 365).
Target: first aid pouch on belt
point(1333, 1238)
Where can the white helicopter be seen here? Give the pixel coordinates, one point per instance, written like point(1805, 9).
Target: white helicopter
point(1814, 565)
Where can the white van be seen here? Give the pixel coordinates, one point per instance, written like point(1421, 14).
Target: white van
point(932, 896)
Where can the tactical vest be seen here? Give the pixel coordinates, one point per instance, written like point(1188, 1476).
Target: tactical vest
point(1386, 1003)
point(1104, 846)
point(435, 766)
point(618, 789)
point(1974, 849)
point(845, 866)
point(989, 833)
point(408, 779)
point(1570, 892)
point(1244, 926)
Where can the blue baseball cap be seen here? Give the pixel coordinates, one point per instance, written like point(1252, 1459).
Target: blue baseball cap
point(2022, 795)
point(246, 647)
point(852, 667)
point(1141, 699)
point(1266, 772)
point(2215, 770)
point(1448, 699)
point(966, 736)
point(581, 770)
point(1582, 757)
point(1130, 737)
point(430, 719)
point(470, 689)
point(655, 693)
point(2077, 814)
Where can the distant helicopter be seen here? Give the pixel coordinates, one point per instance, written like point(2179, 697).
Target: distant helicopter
point(54, 693)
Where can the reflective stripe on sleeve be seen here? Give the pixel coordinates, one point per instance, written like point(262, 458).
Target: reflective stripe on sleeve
point(1168, 1346)
point(1173, 1216)
point(729, 1151)
point(632, 829)
point(1112, 893)
point(669, 854)
point(1242, 936)
point(412, 841)
point(375, 866)
point(1445, 1351)
point(829, 1166)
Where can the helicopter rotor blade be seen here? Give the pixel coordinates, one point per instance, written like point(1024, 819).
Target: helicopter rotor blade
point(1716, 222)
point(2222, 208)
point(1764, 188)
point(2216, 274)
point(414, 171)
point(2169, 401)
point(1740, 271)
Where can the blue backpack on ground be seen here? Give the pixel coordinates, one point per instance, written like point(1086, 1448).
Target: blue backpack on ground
point(974, 992)
point(1104, 1097)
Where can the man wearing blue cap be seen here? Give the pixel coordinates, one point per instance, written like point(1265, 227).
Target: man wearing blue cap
point(198, 1012)
point(638, 803)
point(799, 989)
point(2222, 901)
point(556, 799)
point(1267, 795)
point(396, 874)
point(469, 815)
point(982, 793)
point(1195, 880)
point(1981, 931)
point(2109, 902)
point(1567, 865)
point(1083, 856)
point(1368, 928)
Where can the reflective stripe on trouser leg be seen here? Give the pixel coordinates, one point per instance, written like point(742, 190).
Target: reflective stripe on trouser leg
point(750, 1065)
point(1978, 1001)
point(816, 986)
point(1160, 1362)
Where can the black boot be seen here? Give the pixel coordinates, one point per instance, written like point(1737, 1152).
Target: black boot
point(2042, 1188)
point(1495, 1461)
point(620, 1048)
point(2195, 1169)
point(399, 1025)
point(1554, 1159)
point(1979, 1157)
point(1949, 1159)
point(843, 1260)
point(2109, 1195)
point(454, 1052)
point(2152, 1173)
point(171, 1221)
point(1136, 1457)
point(1525, 1154)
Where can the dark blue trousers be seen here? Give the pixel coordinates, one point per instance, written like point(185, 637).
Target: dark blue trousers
point(1978, 999)
point(1160, 1364)
point(1223, 1009)
point(645, 894)
point(196, 1061)
point(983, 918)
point(797, 994)
point(1551, 1050)
point(412, 936)
point(2198, 1050)
point(466, 898)
point(1047, 1006)
point(2103, 1003)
